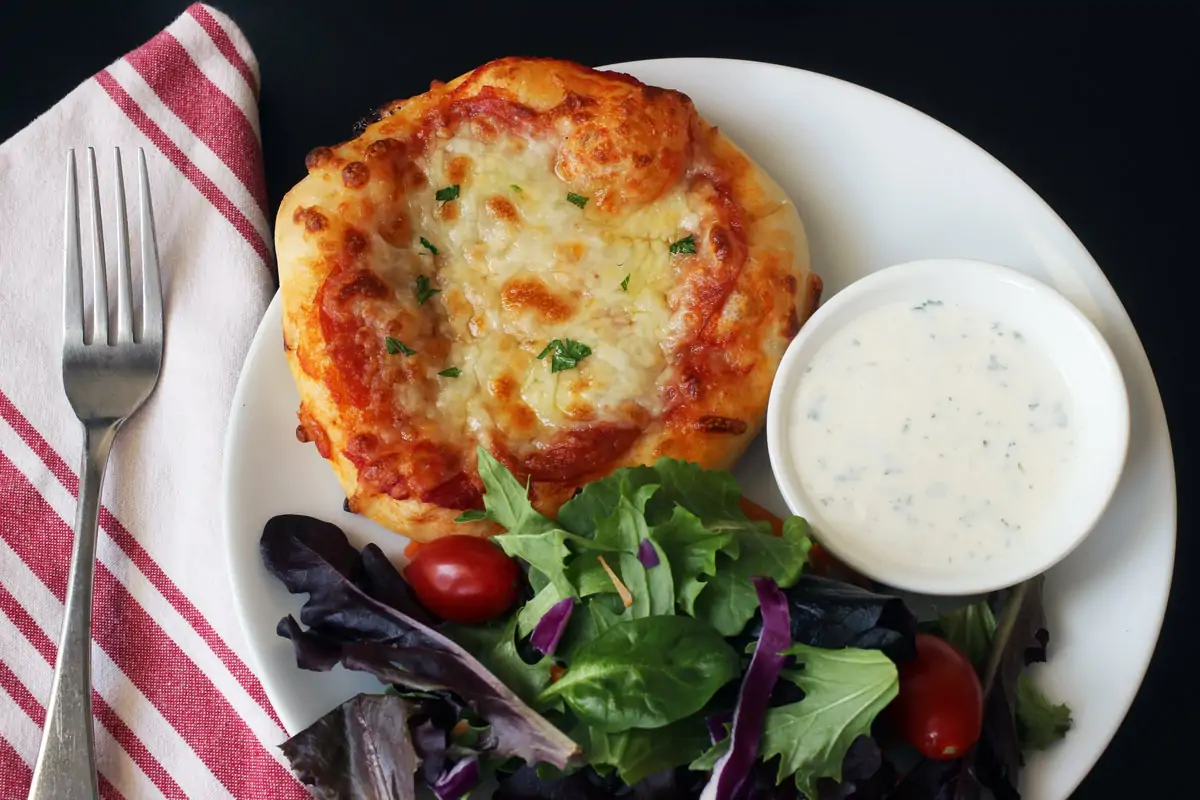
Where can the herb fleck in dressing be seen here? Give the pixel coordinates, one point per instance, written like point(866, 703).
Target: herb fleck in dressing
point(932, 427)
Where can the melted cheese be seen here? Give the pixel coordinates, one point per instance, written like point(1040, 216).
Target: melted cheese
point(686, 354)
point(519, 265)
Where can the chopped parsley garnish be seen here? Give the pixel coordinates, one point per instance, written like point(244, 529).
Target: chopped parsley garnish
point(625, 283)
point(428, 245)
point(395, 347)
point(566, 354)
point(577, 199)
point(447, 194)
point(515, 188)
point(685, 246)
point(450, 372)
point(424, 290)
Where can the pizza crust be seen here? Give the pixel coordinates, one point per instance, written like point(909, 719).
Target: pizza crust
point(682, 356)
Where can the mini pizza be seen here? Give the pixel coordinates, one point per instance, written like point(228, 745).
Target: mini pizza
point(563, 265)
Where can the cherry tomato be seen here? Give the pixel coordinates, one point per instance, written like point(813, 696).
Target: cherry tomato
point(464, 579)
point(759, 514)
point(939, 709)
point(822, 562)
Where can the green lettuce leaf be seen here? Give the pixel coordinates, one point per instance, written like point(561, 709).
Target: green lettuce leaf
point(691, 551)
point(728, 600)
point(639, 753)
point(711, 495)
point(622, 529)
point(495, 647)
point(590, 619)
point(645, 673)
point(506, 500)
point(844, 690)
point(535, 609)
point(545, 551)
point(529, 535)
point(589, 577)
point(708, 550)
point(660, 583)
point(970, 629)
point(1040, 723)
point(618, 534)
point(633, 575)
point(706, 761)
point(599, 499)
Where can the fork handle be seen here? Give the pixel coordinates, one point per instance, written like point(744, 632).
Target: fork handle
point(66, 763)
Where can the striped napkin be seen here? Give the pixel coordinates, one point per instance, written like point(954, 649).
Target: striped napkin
point(178, 713)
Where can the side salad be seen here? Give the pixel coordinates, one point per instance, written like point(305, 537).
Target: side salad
point(656, 640)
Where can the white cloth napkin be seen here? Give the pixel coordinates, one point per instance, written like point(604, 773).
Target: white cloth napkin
point(178, 713)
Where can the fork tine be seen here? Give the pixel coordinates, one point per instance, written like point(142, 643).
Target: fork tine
point(124, 289)
point(152, 306)
point(72, 261)
point(99, 273)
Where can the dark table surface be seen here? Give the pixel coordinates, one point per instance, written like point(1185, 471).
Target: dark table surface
point(1088, 106)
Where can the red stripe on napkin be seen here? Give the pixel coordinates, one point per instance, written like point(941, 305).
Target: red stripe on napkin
point(101, 710)
point(136, 553)
point(220, 37)
point(206, 110)
point(151, 660)
point(13, 687)
point(15, 774)
point(107, 790)
point(168, 148)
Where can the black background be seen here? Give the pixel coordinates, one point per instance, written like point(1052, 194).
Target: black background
point(1086, 104)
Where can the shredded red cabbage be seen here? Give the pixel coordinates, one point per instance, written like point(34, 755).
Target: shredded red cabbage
point(733, 773)
point(647, 554)
point(550, 627)
point(457, 781)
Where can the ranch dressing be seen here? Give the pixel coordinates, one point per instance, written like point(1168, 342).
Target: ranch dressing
point(931, 431)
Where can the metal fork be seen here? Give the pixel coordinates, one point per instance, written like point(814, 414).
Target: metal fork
point(106, 382)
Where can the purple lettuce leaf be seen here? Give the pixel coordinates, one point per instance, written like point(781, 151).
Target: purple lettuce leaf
point(314, 556)
point(1020, 639)
point(936, 780)
point(526, 784)
point(865, 775)
point(432, 743)
point(348, 624)
point(831, 615)
point(1013, 649)
point(361, 749)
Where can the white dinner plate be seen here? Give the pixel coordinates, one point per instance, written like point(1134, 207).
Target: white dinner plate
point(876, 183)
